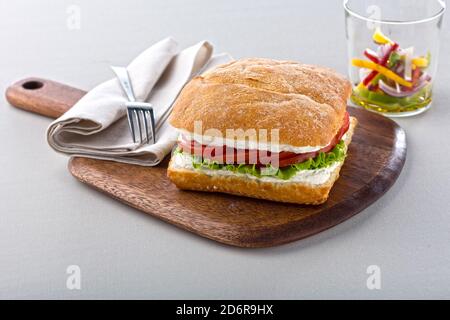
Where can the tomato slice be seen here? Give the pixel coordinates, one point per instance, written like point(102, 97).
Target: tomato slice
point(299, 158)
point(226, 154)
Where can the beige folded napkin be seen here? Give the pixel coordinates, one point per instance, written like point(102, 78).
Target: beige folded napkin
point(97, 127)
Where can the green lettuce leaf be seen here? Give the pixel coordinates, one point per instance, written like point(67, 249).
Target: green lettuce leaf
point(323, 160)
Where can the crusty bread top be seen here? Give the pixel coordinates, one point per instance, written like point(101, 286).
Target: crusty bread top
point(306, 103)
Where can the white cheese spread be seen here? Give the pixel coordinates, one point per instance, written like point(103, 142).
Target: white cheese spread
point(312, 177)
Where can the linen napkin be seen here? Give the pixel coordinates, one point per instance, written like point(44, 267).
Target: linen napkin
point(97, 126)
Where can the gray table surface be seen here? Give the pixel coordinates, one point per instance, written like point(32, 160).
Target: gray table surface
point(49, 221)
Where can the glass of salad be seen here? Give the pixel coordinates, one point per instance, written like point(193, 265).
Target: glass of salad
point(393, 48)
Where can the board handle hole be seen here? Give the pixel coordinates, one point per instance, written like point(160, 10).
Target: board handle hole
point(32, 85)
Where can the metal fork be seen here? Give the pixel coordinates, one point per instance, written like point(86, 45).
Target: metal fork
point(141, 118)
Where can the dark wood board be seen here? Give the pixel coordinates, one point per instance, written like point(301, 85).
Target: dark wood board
point(376, 158)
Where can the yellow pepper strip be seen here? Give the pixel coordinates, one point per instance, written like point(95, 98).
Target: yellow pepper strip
point(420, 62)
point(380, 69)
point(361, 86)
point(380, 38)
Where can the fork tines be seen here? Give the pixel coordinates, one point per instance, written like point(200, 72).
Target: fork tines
point(141, 120)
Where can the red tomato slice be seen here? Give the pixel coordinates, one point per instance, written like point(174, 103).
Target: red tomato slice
point(299, 158)
point(219, 154)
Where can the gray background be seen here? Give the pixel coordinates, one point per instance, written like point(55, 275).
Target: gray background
point(48, 220)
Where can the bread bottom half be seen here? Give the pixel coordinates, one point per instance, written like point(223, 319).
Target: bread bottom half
point(241, 185)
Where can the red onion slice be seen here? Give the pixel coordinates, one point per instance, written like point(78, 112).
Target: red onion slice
point(402, 94)
point(425, 77)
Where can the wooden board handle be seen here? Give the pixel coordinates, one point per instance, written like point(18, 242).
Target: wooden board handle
point(42, 96)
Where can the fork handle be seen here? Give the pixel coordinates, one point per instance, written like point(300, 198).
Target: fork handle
point(42, 96)
point(125, 82)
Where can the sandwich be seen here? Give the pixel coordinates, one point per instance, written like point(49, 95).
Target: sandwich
point(261, 128)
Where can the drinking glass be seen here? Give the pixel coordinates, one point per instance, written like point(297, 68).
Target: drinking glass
point(393, 48)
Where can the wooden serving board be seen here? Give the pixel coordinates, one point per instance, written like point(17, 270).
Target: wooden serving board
point(376, 158)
